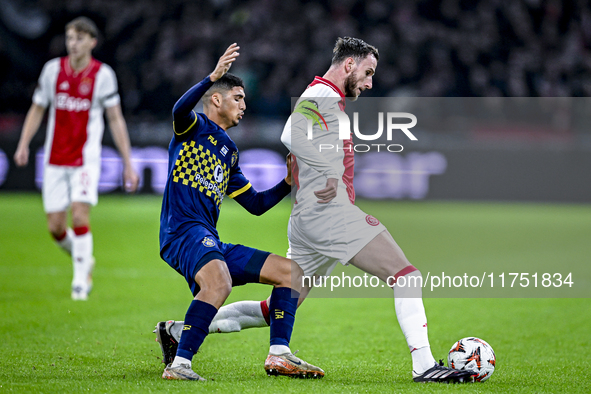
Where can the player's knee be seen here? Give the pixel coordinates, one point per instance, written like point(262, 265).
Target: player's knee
point(80, 214)
point(290, 275)
point(56, 228)
point(215, 290)
point(214, 279)
point(224, 289)
point(222, 286)
point(281, 272)
point(79, 220)
point(296, 271)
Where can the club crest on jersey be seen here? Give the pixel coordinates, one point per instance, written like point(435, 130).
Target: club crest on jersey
point(208, 242)
point(371, 220)
point(85, 86)
point(234, 158)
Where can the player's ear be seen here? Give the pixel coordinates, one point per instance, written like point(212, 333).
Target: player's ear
point(216, 99)
point(94, 42)
point(349, 64)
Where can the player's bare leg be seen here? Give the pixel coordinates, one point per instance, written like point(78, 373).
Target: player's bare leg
point(215, 283)
point(57, 224)
point(382, 257)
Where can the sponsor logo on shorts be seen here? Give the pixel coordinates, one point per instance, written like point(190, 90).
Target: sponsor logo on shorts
point(208, 242)
point(371, 220)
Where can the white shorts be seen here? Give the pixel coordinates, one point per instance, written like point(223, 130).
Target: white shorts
point(63, 185)
point(320, 238)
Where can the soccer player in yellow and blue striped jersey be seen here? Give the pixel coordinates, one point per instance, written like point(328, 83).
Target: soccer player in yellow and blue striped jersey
point(204, 167)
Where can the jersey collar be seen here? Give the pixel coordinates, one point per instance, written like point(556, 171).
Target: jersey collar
point(326, 82)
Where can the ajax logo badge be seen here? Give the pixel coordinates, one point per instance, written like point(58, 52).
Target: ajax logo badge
point(371, 220)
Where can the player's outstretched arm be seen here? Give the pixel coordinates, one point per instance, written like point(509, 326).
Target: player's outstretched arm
point(225, 62)
point(30, 127)
point(182, 112)
point(121, 137)
point(258, 203)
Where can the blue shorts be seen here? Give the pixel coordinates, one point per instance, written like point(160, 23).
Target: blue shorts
point(189, 253)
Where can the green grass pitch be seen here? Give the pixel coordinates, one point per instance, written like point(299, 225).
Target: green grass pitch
point(51, 344)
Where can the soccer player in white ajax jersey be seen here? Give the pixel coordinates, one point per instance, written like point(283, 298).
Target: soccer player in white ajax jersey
point(77, 89)
point(325, 226)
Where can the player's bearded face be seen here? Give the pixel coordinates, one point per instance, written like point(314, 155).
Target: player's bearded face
point(360, 77)
point(351, 86)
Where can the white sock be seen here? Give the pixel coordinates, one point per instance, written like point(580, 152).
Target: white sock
point(81, 258)
point(411, 316)
point(276, 350)
point(66, 243)
point(230, 318)
point(422, 359)
point(180, 360)
point(237, 316)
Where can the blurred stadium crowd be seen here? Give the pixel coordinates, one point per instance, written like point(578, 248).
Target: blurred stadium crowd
point(442, 48)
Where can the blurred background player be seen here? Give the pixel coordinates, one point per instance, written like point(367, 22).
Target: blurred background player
point(326, 227)
point(203, 166)
point(77, 89)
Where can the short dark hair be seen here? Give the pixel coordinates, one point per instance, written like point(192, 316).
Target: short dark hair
point(352, 47)
point(225, 83)
point(84, 25)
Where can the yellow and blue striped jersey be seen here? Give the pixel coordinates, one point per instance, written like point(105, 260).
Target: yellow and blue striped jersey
point(202, 168)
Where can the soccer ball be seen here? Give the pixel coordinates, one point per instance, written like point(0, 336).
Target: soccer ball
point(474, 354)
